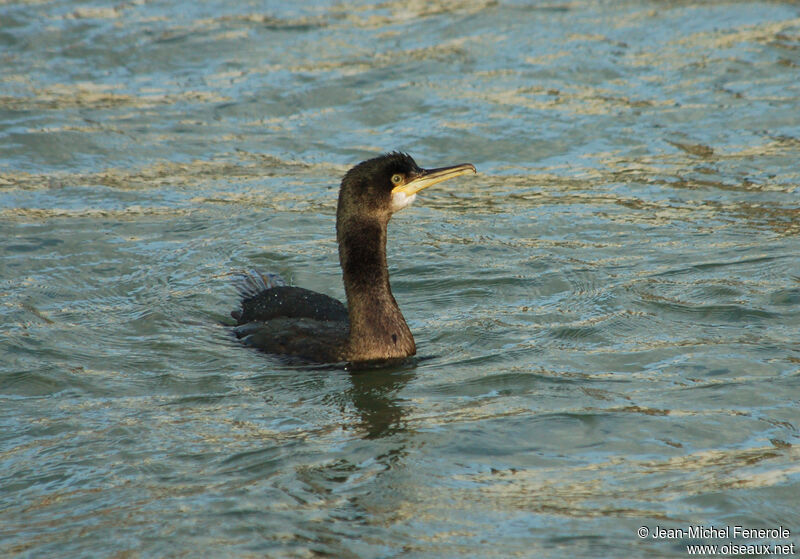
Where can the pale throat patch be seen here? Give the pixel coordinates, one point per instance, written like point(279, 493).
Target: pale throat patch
point(400, 200)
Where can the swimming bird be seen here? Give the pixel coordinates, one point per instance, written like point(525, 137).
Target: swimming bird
point(370, 330)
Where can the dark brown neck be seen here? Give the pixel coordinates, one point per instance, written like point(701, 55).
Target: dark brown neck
point(378, 330)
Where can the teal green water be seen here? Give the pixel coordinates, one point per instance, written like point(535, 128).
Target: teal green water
point(607, 316)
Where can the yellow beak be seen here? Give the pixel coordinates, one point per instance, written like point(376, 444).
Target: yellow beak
point(433, 176)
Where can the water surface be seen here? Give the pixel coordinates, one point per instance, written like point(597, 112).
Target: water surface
point(607, 315)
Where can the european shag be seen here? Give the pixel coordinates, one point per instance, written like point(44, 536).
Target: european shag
point(370, 330)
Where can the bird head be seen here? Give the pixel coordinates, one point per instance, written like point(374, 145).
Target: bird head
point(386, 184)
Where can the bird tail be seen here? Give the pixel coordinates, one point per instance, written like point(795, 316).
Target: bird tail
point(252, 282)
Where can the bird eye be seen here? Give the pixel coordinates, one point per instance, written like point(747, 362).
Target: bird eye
point(397, 179)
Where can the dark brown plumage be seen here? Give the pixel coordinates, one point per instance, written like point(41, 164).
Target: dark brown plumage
point(371, 330)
